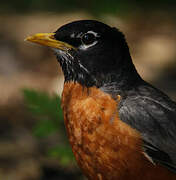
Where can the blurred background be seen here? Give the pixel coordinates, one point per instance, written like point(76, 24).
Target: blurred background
point(33, 143)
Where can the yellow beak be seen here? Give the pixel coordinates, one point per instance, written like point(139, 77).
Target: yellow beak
point(47, 39)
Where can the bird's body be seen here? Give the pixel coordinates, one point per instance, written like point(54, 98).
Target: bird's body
point(105, 147)
point(119, 126)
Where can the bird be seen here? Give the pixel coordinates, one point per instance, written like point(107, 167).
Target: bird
point(119, 126)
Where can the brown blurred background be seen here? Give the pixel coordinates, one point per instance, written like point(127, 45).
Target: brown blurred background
point(25, 137)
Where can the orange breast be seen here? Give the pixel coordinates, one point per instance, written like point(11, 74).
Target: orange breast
point(105, 147)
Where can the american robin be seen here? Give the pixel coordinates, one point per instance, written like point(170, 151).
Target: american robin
point(119, 126)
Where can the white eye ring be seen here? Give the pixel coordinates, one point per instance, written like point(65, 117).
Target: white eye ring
point(88, 38)
point(94, 33)
point(84, 46)
point(91, 42)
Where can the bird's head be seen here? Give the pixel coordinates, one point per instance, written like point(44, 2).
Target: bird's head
point(89, 52)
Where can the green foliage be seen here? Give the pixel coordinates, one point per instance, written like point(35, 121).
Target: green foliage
point(47, 109)
point(65, 151)
point(40, 103)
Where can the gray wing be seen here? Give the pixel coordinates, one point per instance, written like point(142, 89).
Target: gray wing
point(153, 114)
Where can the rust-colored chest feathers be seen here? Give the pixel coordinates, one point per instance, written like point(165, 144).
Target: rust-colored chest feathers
point(105, 147)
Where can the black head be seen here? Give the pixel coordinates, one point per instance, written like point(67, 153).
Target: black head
point(90, 52)
point(101, 52)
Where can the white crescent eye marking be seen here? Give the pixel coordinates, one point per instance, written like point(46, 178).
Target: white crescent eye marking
point(73, 35)
point(94, 33)
point(84, 47)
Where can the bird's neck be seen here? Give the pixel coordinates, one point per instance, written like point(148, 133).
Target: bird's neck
point(124, 79)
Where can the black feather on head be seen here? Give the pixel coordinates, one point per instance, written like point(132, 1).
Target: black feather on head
point(101, 55)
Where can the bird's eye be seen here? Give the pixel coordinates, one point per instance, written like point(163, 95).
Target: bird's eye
point(88, 38)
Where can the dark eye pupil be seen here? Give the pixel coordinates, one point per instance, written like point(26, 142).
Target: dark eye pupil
point(88, 38)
